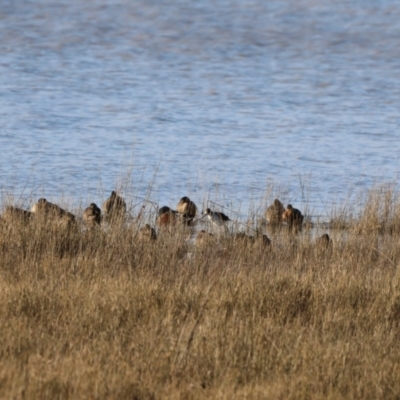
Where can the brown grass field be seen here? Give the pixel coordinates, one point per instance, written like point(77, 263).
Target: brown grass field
point(105, 314)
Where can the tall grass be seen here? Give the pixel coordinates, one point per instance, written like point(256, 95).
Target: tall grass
point(106, 314)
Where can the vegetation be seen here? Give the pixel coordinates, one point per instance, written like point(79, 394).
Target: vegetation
point(106, 313)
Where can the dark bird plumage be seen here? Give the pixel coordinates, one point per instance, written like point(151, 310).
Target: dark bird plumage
point(14, 214)
point(114, 208)
point(324, 241)
point(166, 216)
point(186, 208)
point(216, 217)
point(147, 234)
point(92, 215)
point(274, 213)
point(294, 218)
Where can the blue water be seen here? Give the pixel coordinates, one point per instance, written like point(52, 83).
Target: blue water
point(219, 100)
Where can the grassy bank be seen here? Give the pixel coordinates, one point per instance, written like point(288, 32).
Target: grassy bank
point(103, 314)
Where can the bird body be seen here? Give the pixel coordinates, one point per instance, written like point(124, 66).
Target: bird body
point(45, 208)
point(293, 217)
point(274, 213)
point(92, 215)
point(147, 234)
point(165, 209)
point(257, 241)
point(204, 239)
point(324, 241)
point(186, 208)
point(114, 207)
point(15, 214)
point(52, 213)
point(166, 216)
point(262, 241)
point(216, 217)
point(243, 240)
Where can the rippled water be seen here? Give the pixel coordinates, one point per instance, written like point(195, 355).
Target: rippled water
point(212, 99)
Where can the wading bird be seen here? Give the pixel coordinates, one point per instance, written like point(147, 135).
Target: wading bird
point(187, 209)
point(204, 239)
point(44, 207)
point(216, 217)
point(166, 216)
point(294, 218)
point(92, 215)
point(114, 208)
point(14, 214)
point(324, 241)
point(274, 213)
point(147, 234)
point(51, 212)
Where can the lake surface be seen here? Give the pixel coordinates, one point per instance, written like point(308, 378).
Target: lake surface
point(232, 101)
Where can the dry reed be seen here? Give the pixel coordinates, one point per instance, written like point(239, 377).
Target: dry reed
point(102, 314)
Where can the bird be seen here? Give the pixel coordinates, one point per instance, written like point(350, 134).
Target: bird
point(204, 239)
point(15, 214)
point(44, 207)
point(262, 241)
point(92, 215)
point(147, 234)
point(216, 217)
point(166, 209)
point(243, 240)
point(52, 213)
point(187, 209)
point(166, 216)
point(324, 241)
point(293, 217)
point(274, 213)
point(114, 207)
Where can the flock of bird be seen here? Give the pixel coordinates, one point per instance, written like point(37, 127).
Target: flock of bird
point(115, 210)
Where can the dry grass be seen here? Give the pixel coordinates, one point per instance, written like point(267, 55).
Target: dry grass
point(102, 314)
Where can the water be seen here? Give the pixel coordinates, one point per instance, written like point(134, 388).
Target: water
point(213, 100)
